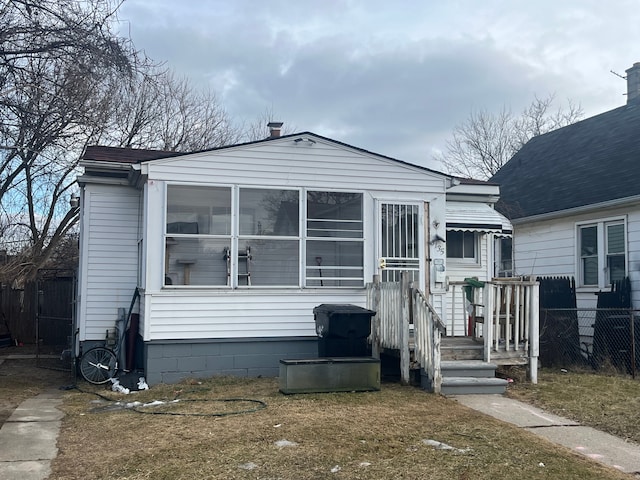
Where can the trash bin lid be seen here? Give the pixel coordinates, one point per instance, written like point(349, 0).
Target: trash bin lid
point(331, 308)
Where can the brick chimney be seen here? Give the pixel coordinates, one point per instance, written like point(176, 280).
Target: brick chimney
point(276, 127)
point(633, 84)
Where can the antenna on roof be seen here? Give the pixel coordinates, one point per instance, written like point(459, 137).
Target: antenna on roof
point(618, 75)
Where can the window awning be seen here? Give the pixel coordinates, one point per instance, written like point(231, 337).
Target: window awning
point(476, 217)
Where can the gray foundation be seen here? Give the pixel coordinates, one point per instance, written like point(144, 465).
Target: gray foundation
point(173, 361)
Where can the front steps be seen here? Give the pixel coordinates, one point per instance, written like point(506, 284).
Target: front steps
point(463, 370)
point(470, 377)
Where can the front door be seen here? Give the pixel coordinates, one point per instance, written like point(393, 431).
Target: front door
point(400, 242)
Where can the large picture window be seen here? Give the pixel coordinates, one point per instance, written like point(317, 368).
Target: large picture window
point(602, 253)
point(335, 239)
point(256, 240)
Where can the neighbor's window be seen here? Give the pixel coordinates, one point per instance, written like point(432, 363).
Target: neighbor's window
point(616, 259)
point(462, 245)
point(589, 254)
point(335, 239)
point(602, 253)
point(198, 233)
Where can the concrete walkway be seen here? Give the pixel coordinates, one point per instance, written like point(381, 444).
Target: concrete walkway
point(594, 444)
point(28, 439)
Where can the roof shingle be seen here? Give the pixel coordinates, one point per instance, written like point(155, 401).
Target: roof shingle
point(589, 162)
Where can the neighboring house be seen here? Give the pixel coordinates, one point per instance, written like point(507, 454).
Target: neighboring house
point(573, 196)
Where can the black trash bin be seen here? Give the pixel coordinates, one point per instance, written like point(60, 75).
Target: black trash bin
point(342, 330)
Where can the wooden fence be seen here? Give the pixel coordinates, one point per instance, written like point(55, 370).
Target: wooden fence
point(39, 312)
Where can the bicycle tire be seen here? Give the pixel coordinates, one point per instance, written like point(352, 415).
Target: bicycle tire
point(98, 365)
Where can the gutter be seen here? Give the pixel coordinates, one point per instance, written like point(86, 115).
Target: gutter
point(618, 202)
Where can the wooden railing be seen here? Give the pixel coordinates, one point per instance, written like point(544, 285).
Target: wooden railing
point(503, 312)
point(400, 306)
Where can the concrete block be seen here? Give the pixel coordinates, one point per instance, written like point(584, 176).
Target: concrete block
point(219, 363)
point(176, 350)
point(205, 349)
point(191, 364)
point(162, 365)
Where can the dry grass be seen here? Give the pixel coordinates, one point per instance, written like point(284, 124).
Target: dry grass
point(360, 435)
point(607, 402)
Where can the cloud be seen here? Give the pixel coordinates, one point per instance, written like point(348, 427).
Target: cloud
point(391, 78)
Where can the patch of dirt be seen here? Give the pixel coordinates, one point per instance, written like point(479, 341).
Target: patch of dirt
point(22, 378)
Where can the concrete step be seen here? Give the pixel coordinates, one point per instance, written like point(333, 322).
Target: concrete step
point(468, 368)
point(473, 386)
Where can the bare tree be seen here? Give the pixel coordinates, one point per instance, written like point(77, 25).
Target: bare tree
point(486, 141)
point(58, 63)
point(66, 81)
point(160, 110)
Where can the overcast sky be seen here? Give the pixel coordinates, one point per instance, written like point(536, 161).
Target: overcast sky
point(393, 77)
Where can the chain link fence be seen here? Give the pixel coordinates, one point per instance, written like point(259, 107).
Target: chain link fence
point(603, 339)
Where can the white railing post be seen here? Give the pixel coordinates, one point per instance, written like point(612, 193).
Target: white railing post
point(534, 335)
point(375, 324)
point(488, 320)
point(404, 331)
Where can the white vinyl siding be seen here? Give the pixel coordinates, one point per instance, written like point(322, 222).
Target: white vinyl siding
point(110, 257)
point(246, 314)
point(458, 270)
point(205, 312)
point(321, 165)
point(551, 248)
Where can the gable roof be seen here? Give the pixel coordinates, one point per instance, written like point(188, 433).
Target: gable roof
point(589, 162)
point(119, 155)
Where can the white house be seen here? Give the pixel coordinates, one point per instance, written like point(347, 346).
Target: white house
point(232, 248)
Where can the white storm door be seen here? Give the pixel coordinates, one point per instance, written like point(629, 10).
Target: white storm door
point(399, 245)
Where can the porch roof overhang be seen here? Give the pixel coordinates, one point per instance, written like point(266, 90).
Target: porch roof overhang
point(476, 217)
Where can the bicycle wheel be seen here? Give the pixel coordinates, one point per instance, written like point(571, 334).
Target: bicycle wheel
point(98, 365)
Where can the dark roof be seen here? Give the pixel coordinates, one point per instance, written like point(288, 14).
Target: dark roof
point(473, 181)
point(589, 162)
point(123, 155)
point(134, 155)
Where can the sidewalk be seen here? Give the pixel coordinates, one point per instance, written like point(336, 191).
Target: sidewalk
point(594, 444)
point(28, 439)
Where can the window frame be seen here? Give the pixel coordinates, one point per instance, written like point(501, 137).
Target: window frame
point(602, 250)
point(236, 239)
point(475, 260)
point(306, 279)
point(228, 237)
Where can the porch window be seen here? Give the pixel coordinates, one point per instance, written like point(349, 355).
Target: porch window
point(198, 232)
point(602, 253)
point(268, 241)
point(242, 236)
point(334, 239)
point(462, 245)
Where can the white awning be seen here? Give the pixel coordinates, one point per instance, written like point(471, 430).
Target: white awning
point(476, 217)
